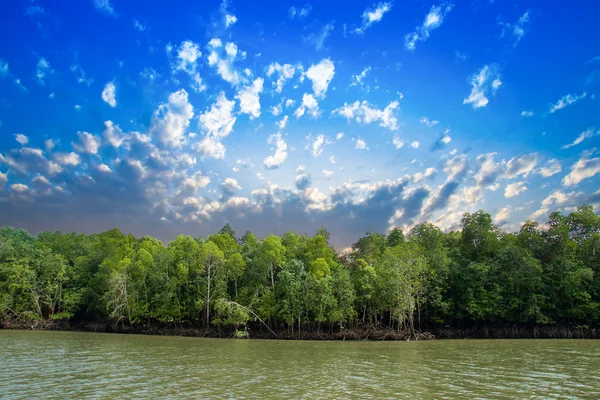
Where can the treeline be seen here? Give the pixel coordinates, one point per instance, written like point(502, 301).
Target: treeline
point(538, 275)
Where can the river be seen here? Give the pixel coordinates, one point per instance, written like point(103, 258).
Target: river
point(38, 364)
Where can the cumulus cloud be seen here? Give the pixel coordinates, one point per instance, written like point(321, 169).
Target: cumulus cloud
point(397, 142)
point(554, 200)
point(415, 144)
point(361, 144)
point(249, 98)
point(68, 159)
point(521, 165)
point(552, 167)
point(187, 57)
point(566, 101)
point(223, 58)
point(283, 72)
point(514, 189)
point(433, 20)
point(109, 94)
point(339, 136)
point(22, 139)
point(281, 124)
point(315, 144)
point(275, 161)
point(584, 135)
point(216, 123)
point(502, 215)
point(88, 143)
point(321, 75)
point(42, 70)
point(363, 112)
point(172, 119)
point(372, 15)
point(488, 76)
point(309, 104)
point(230, 186)
point(584, 168)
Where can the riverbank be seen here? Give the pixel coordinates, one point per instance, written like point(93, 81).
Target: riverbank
point(358, 333)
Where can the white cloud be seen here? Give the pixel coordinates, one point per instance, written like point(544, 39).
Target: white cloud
point(105, 7)
point(284, 72)
point(210, 147)
point(426, 121)
point(71, 158)
point(521, 165)
point(339, 136)
point(42, 70)
point(358, 79)
point(138, 25)
point(88, 143)
point(327, 173)
point(77, 107)
point(361, 144)
point(565, 101)
point(399, 143)
point(514, 189)
point(315, 144)
point(321, 75)
point(364, 112)
point(187, 57)
point(527, 113)
point(113, 134)
point(372, 15)
point(415, 144)
point(481, 84)
point(22, 139)
point(299, 13)
point(224, 65)
point(554, 199)
point(49, 145)
point(230, 19)
point(281, 124)
point(249, 98)
point(275, 161)
point(332, 159)
point(309, 103)
point(517, 30)
point(317, 39)
point(197, 83)
point(171, 120)
point(502, 215)
point(109, 95)
point(553, 167)
point(276, 110)
point(584, 135)
point(81, 78)
point(584, 168)
point(230, 185)
point(433, 20)
point(192, 184)
point(104, 168)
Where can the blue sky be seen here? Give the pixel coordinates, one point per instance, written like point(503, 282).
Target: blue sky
point(277, 116)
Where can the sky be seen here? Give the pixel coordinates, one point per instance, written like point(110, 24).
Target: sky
point(287, 116)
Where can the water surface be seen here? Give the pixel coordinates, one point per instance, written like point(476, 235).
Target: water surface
point(95, 365)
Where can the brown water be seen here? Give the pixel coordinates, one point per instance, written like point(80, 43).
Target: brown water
point(94, 365)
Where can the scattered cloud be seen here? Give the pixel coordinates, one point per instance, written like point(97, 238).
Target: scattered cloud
point(275, 161)
point(317, 39)
point(487, 76)
point(109, 94)
point(363, 112)
point(361, 144)
point(43, 69)
point(299, 13)
point(527, 113)
point(321, 75)
point(552, 167)
point(249, 98)
point(309, 104)
point(22, 139)
point(426, 121)
point(584, 168)
point(138, 25)
point(517, 29)
point(372, 15)
point(584, 135)
point(415, 144)
point(433, 20)
point(105, 7)
point(284, 73)
point(566, 101)
point(521, 165)
point(514, 189)
point(357, 80)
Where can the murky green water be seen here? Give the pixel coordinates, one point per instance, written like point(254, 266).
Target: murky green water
point(90, 365)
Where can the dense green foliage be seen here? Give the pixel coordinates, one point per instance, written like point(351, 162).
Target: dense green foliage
point(540, 275)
